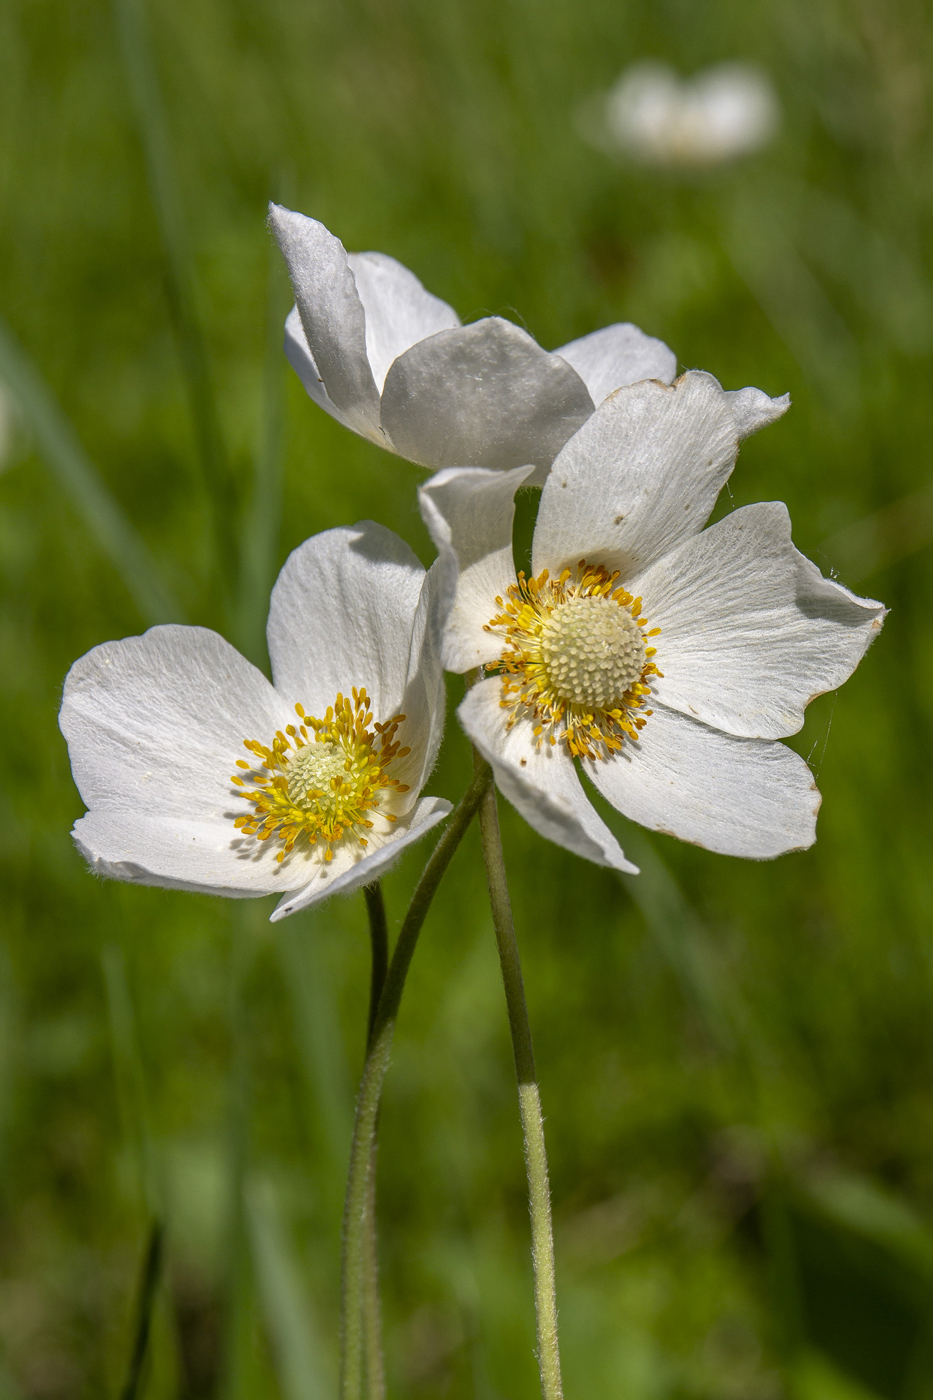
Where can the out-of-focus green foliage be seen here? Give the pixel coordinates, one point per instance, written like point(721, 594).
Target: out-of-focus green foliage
point(736, 1059)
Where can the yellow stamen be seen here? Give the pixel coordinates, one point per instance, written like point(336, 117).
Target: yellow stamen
point(576, 660)
point(324, 783)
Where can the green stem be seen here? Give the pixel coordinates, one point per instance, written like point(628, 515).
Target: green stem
point(374, 1073)
point(372, 1313)
point(379, 942)
point(529, 1101)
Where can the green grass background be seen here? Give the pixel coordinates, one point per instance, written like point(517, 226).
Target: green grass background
point(736, 1059)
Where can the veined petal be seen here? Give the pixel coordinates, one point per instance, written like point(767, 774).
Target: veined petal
point(751, 632)
point(331, 314)
point(752, 409)
point(740, 797)
point(156, 723)
point(302, 362)
point(469, 512)
point(340, 877)
point(618, 355)
point(540, 782)
point(485, 395)
point(399, 312)
point(341, 615)
point(205, 857)
point(639, 477)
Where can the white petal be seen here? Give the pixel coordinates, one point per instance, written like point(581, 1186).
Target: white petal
point(469, 513)
point(639, 477)
point(741, 797)
point(751, 632)
point(156, 723)
point(302, 362)
point(341, 615)
point(178, 853)
point(752, 409)
point(341, 878)
point(618, 355)
point(399, 312)
point(331, 314)
point(486, 395)
point(540, 782)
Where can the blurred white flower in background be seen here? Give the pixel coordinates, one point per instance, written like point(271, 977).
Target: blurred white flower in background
point(658, 117)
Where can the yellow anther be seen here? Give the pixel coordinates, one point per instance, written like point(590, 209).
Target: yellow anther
point(322, 788)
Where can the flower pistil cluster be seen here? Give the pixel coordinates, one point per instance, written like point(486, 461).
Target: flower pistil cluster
point(321, 778)
point(576, 658)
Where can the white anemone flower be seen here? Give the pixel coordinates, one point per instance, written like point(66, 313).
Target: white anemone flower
point(663, 659)
point(718, 114)
point(201, 775)
point(391, 361)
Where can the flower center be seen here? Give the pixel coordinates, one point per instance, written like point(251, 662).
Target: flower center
point(576, 658)
point(319, 779)
point(592, 651)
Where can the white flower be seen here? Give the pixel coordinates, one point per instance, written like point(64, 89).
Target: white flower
point(327, 763)
point(389, 360)
point(720, 113)
point(664, 658)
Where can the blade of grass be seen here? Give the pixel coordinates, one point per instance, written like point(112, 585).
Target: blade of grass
point(320, 1042)
point(238, 1358)
point(79, 479)
point(165, 194)
point(287, 1308)
point(133, 1099)
point(679, 935)
point(145, 1307)
point(130, 1076)
point(260, 535)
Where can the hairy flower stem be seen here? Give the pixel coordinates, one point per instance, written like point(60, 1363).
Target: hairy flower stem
point(374, 1072)
point(373, 1355)
point(372, 1313)
point(529, 1101)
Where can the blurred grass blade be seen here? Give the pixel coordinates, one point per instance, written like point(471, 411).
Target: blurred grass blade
point(260, 542)
point(145, 1308)
point(320, 1043)
point(883, 538)
point(762, 241)
point(10, 1040)
point(876, 1212)
point(134, 1112)
point(679, 935)
point(130, 1076)
point(80, 480)
point(180, 282)
point(286, 1306)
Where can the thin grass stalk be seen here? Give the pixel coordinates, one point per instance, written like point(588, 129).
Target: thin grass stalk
point(134, 1110)
point(237, 1338)
point(81, 482)
point(529, 1099)
point(374, 1072)
point(145, 1307)
point(295, 1336)
point(164, 190)
point(261, 528)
